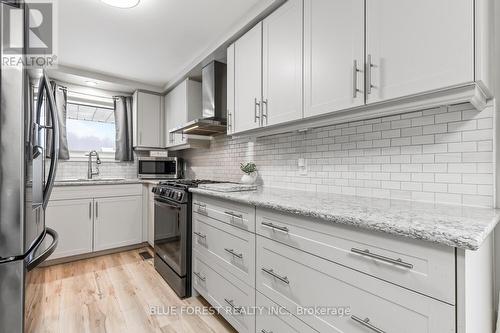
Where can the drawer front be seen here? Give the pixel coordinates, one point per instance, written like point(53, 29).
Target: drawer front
point(271, 318)
point(237, 215)
point(424, 267)
point(230, 296)
point(291, 278)
point(230, 247)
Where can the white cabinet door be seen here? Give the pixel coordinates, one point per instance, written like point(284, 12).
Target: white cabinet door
point(282, 64)
point(333, 55)
point(230, 89)
point(418, 46)
point(175, 108)
point(182, 105)
point(72, 219)
point(248, 80)
point(149, 120)
point(117, 222)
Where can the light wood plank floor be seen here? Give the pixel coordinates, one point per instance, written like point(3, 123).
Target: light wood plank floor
point(113, 293)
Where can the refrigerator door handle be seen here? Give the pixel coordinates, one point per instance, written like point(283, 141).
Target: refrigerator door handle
point(45, 86)
point(45, 254)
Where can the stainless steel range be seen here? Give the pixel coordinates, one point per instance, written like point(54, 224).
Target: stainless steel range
point(172, 230)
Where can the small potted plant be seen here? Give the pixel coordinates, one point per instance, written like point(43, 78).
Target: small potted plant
point(250, 173)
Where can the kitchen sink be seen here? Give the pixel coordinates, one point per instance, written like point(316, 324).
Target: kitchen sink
point(69, 180)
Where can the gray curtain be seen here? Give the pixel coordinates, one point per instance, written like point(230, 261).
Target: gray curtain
point(123, 122)
point(61, 99)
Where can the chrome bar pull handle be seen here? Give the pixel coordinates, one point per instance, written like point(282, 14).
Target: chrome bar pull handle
point(274, 226)
point(234, 254)
point(202, 208)
point(271, 272)
point(366, 323)
point(369, 67)
point(265, 331)
point(90, 210)
point(199, 276)
point(96, 209)
point(264, 114)
point(257, 113)
point(367, 253)
point(231, 304)
point(199, 234)
point(238, 216)
point(355, 71)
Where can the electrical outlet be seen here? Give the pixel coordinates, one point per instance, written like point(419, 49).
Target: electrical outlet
point(302, 164)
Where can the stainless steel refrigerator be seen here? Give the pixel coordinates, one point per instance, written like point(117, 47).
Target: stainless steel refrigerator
point(29, 144)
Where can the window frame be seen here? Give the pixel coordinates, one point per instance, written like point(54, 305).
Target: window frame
point(78, 155)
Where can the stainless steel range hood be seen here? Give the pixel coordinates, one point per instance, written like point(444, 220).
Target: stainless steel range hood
point(214, 115)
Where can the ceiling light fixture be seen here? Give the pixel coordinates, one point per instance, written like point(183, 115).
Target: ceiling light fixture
point(91, 83)
point(122, 3)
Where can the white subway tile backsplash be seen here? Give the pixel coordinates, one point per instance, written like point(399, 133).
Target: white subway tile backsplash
point(107, 169)
point(439, 155)
point(448, 117)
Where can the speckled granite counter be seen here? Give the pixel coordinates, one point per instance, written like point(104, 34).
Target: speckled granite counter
point(458, 226)
point(97, 182)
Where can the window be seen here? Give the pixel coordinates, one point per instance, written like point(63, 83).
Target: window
point(90, 128)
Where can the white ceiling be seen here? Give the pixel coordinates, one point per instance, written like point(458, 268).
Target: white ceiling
point(151, 43)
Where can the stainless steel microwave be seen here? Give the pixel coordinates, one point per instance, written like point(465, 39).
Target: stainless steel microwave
point(159, 167)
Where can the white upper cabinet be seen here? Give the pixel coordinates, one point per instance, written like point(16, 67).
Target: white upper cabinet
point(282, 64)
point(182, 105)
point(333, 55)
point(148, 120)
point(248, 80)
point(230, 89)
point(339, 58)
point(418, 46)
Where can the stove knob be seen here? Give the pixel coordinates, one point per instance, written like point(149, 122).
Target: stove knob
point(162, 191)
point(155, 190)
point(179, 196)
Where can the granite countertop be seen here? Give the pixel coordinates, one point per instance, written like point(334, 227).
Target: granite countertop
point(104, 181)
point(458, 226)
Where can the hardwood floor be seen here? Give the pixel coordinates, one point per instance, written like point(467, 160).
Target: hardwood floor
point(113, 293)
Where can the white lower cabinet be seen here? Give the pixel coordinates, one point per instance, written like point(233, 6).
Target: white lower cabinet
point(274, 318)
point(111, 218)
point(232, 248)
point(229, 295)
point(298, 280)
point(313, 276)
point(117, 222)
point(72, 219)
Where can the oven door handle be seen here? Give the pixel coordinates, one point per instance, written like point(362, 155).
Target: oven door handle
point(168, 204)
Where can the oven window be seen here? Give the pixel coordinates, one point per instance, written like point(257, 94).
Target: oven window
point(157, 167)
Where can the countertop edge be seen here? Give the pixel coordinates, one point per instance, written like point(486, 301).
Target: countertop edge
point(463, 242)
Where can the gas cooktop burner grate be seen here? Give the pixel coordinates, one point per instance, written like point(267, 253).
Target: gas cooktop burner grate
point(188, 182)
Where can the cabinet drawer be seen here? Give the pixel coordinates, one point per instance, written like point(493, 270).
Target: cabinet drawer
point(230, 247)
point(291, 278)
point(273, 318)
point(240, 216)
point(424, 267)
point(230, 296)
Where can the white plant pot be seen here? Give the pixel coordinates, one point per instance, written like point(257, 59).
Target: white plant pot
point(248, 179)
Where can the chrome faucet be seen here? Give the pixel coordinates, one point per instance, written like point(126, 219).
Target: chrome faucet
point(90, 172)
